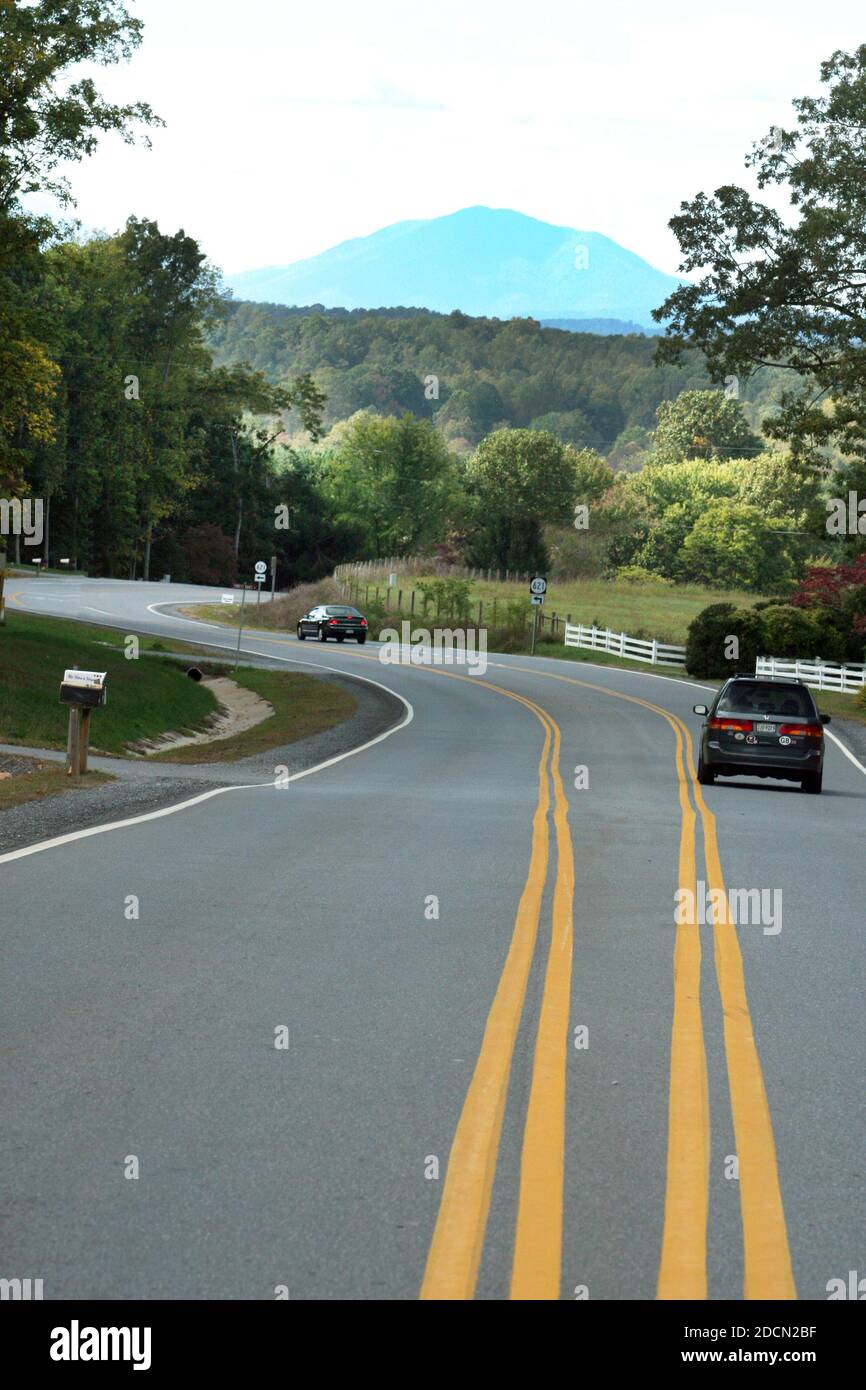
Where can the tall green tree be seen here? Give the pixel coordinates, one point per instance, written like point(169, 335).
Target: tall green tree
point(788, 291)
point(701, 425)
point(48, 117)
point(394, 478)
point(522, 480)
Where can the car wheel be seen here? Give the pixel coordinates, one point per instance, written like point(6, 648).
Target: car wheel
point(362, 639)
point(812, 782)
point(323, 636)
point(302, 636)
point(706, 777)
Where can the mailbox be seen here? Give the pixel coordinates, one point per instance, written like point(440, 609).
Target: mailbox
point(84, 689)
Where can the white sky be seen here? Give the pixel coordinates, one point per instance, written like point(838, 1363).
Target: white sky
point(291, 128)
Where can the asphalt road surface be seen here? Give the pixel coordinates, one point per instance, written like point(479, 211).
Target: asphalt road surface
point(424, 1022)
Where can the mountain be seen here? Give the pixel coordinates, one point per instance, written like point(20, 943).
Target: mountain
point(487, 262)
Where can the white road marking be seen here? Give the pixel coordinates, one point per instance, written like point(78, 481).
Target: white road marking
point(251, 786)
point(848, 754)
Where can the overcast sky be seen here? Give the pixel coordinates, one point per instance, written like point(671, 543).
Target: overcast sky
point(291, 128)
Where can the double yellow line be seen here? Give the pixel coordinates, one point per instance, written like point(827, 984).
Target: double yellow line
point(458, 1238)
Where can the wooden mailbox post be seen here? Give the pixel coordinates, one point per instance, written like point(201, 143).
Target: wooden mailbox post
point(83, 692)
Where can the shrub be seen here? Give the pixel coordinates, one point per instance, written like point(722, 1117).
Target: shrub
point(708, 641)
point(800, 632)
point(636, 574)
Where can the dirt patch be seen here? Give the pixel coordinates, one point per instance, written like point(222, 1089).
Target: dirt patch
point(240, 709)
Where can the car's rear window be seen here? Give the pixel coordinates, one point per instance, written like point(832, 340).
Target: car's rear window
point(757, 697)
point(337, 612)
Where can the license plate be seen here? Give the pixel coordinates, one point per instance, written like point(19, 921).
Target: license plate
point(765, 728)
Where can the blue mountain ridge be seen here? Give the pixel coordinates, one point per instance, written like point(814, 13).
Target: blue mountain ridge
point(487, 262)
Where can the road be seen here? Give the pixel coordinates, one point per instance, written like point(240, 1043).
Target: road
point(509, 1071)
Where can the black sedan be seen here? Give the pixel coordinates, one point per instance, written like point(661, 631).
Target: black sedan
point(763, 727)
point(333, 620)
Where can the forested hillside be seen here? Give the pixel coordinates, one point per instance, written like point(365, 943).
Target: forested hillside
point(468, 375)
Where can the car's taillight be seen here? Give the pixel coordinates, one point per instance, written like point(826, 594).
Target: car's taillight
point(738, 726)
point(332, 622)
point(801, 730)
point(363, 622)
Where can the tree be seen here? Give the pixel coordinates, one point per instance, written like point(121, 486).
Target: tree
point(521, 480)
point(593, 475)
point(731, 546)
point(45, 120)
point(788, 292)
point(569, 426)
point(394, 479)
point(701, 424)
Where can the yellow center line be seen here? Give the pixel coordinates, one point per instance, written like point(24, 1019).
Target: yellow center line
point(458, 1237)
point(767, 1261)
point(682, 1272)
point(683, 1263)
point(768, 1273)
point(538, 1240)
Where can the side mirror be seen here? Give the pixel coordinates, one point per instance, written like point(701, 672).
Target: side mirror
point(824, 718)
point(701, 709)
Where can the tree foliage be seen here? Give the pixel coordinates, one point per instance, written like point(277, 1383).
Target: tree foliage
point(788, 291)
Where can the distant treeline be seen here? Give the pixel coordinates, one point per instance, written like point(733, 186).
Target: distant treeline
point(471, 375)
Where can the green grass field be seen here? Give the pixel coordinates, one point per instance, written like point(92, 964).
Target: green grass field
point(147, 697)
point(302, 706)
point(640, 610)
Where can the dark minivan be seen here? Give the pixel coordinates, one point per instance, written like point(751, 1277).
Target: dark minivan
point(763, 727)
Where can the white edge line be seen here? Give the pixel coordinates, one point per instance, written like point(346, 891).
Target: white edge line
point(848, 754)
point(217, 791)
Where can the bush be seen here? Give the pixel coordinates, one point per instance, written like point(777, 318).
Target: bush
point(636, 574)
point(708, 641)
point(801, 632)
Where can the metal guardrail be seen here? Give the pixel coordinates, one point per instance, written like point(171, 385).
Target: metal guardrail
point(598, 639)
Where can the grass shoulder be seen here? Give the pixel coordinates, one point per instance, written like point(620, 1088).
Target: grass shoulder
point(148, 696)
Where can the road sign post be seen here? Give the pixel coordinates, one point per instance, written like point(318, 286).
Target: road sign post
point(241, 626)
point(259, 577)
point(537, 590)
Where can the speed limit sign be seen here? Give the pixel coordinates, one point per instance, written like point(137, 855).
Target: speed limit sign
point(538, 585)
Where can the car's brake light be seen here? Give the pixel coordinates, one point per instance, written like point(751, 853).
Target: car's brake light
point(363, 622)
point(332, 622)
point(739, 726)
point(801, 730)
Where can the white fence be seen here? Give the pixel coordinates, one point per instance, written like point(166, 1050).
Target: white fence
point(598, 639)
point(823, 675)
